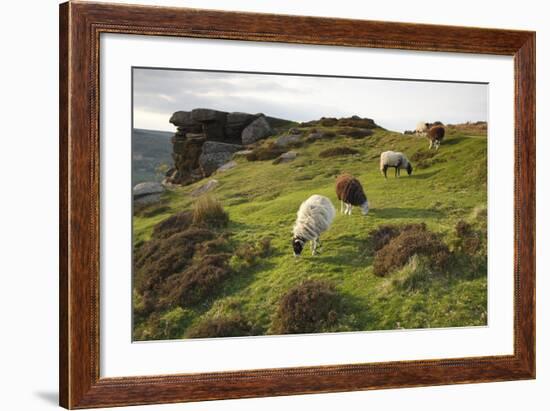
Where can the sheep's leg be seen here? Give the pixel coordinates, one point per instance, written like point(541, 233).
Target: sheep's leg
point(349, 209)
point(396, 171)
point(314, 246)
point(341, 206)
point(385, 172)
point(431, 145)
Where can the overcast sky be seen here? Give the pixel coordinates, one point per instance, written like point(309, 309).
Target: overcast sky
point(395, 105)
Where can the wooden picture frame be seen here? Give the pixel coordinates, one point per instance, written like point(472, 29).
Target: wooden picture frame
point(80, 27)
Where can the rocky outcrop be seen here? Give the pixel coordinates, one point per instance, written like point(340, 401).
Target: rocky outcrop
point(215, 125)
point(284, 141)
point(257, 130)
point(147, 193)
point(235, 123)
point(187, 149)
point(215, 154)
point(206, 139)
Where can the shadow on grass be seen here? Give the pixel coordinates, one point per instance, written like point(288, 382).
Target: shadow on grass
point(406, 213)
point(451, 141)
point(424, 175)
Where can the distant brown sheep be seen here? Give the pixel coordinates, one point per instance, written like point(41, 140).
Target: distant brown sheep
point(350, 193)
point(435, 135)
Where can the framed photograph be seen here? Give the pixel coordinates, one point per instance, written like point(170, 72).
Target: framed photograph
point(258, 205)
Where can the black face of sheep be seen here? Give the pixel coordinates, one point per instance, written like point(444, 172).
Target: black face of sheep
point(298, 246)
point(409, 169)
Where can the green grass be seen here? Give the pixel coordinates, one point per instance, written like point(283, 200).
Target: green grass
point(262, 199)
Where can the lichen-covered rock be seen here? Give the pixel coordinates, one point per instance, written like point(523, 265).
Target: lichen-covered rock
point(284, 141)
point(215, 154)
point(227, 166)
point(235, 123)
point(147, 193)
point(242, 153)
point(286, 157)
point(186, 152)
point(185, 123)
point(257, 130)
point(205, 188)
point(202, 115)
point(210, 147)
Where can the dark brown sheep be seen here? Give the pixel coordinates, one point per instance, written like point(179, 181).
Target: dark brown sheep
point(350, 193)
point(435, 135)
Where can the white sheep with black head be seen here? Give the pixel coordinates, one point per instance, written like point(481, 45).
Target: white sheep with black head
point(314, 217)
point(350, 193)
point(395, 159)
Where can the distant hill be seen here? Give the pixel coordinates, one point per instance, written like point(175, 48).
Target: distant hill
point(150, 149)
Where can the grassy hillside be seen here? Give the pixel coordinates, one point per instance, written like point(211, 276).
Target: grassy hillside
point(150, 149)
point(261, 199)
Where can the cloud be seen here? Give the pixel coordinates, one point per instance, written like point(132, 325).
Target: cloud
point(393, 104)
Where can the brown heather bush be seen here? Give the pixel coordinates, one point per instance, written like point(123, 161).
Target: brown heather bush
point(199, 281)
point(385, 233)
point(207, 211)
point(414, 240)
point(311, 306)
point(357, 122)
point(263, 153)
point(151, 211)
point(337, 151)
point(355, 132)
point(232, 326)
point(328, 121)
point(382, 236)
point(161, 258)
point(174, 224)
point(469, 240)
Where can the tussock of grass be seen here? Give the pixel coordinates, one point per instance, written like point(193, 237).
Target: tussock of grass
point(309, 307)
point(415, 275)
point(209, 212)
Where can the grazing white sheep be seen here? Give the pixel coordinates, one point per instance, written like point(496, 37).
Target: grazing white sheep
point(394, 159)
point(421, 128)
point(350, 193)
point(314, 216)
